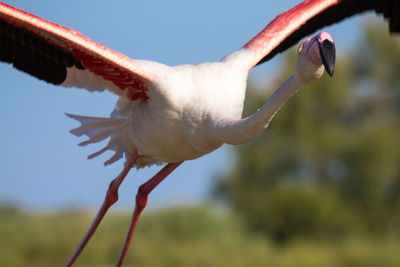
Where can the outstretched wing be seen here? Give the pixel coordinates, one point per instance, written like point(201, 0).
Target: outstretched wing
point(304, 19)
point(62, 56)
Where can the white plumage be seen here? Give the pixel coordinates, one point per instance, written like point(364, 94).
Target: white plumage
point(178, 122)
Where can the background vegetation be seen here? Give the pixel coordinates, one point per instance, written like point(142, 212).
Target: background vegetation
point(329, 163)
point(319, 188)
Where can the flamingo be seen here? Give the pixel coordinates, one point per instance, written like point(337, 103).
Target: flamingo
point(167, 115)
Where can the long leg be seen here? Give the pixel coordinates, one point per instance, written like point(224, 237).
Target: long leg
point(141, 202)
point(110, 199)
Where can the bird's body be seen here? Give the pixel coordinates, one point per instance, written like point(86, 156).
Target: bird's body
point(177, 122)
point(188, 103)
point(171, 114)
point(191, 111)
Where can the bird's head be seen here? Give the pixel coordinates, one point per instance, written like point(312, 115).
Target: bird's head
point(315, 55)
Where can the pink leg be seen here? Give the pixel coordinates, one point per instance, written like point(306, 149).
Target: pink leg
point(110, 199)
point(141, 202)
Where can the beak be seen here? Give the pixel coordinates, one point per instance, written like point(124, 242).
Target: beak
point(328, 55)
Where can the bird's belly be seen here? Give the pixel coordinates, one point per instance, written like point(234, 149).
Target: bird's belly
point(176, 123)
point(167, 136)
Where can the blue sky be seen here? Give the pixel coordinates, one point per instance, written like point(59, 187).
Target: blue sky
point(42, 166)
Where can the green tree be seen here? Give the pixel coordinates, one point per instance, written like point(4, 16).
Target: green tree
point(328, 164)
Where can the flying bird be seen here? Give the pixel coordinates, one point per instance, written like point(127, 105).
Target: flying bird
point(172, 114)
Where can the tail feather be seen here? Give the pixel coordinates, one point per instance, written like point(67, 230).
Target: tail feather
point(115, 145)
point(99, 135)
point(95, 125)
point(110, 146)
point(86, 119)
point(99, 129)
point(118, 155)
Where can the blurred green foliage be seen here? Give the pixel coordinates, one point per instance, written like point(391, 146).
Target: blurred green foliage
point(177, 237)
point(320, 187)
point(328, 165)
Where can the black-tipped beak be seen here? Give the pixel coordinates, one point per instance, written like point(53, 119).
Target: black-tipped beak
point(328, 55)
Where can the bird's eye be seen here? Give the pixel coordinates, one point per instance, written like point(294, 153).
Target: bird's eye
point(300, 48)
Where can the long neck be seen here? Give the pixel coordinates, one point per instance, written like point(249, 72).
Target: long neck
point(241, 131)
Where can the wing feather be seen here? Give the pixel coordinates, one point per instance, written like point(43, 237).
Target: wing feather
point(309, 16)
point(47, 50)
